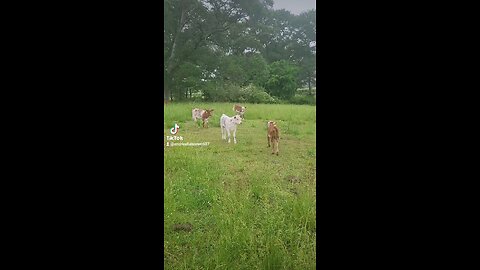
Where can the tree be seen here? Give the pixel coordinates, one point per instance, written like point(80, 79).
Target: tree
point(193, 24)
point(283, 79)
point(220, 45)
point(256, 70)
point(305, 47)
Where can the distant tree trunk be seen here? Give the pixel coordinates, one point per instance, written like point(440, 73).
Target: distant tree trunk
point(309, 87)
point(166, 92)
point(190, 93)
point(170, 62)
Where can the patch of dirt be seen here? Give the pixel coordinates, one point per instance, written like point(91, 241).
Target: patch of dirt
point(186, 227)
point(293, 179)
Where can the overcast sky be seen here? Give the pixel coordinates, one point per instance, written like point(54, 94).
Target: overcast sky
point(294, 6)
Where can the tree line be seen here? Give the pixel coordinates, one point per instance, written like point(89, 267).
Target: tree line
point(237, 50)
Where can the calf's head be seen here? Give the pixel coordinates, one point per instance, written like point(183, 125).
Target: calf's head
point(271, 123)
point(207, 113)
point(237, 119)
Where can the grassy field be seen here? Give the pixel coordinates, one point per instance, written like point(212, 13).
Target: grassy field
point(236, 206)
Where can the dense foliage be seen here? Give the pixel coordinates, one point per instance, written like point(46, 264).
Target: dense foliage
point(237, 51)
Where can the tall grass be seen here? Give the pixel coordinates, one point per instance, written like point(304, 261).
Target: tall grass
point(182, 112)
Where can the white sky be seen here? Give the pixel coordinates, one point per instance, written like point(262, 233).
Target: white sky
point(295, 6)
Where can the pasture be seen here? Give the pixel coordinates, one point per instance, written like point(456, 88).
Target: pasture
point(237, 206)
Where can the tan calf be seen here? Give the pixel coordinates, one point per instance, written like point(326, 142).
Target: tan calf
point(273, 136)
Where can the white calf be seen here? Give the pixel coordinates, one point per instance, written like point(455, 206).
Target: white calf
point(230, 124)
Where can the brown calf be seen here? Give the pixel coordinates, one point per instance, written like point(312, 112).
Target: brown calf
point(273, 136)
point(240, 110)
point(205, 115)
point(201, 114)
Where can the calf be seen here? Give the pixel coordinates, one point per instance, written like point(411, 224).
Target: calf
point(201, 114)
point(273, 135)
point(229, 124)
point(240, 110)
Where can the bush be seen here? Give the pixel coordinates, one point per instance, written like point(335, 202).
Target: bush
point(262, 97)
point(255, 94)
point(234, 93)
point(300, 99)
point(222, 92)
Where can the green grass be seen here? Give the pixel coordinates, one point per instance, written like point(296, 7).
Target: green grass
point(248, 209)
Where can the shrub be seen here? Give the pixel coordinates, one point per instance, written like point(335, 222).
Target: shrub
point(234, 93)
point(255, 94)
point(222, 92)
point(262, 97)
point(300, 99)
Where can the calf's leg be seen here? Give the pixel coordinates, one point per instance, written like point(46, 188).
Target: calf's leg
point(274, 146)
